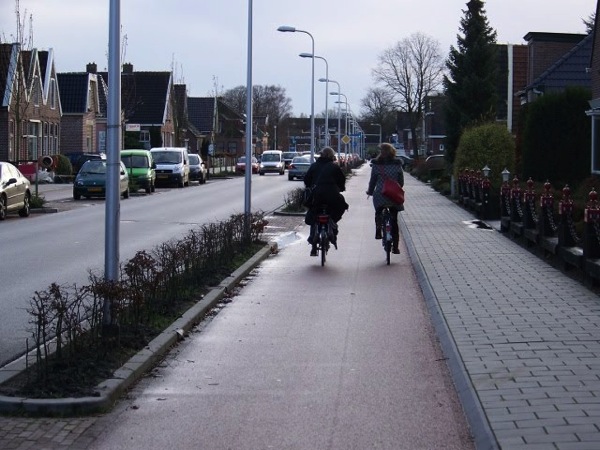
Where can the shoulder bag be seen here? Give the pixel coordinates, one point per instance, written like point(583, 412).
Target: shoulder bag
point(391, 189)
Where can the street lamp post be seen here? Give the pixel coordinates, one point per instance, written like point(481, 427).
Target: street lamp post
point(338, 93)
point(288, 29)
point(308, 55)
point(339, 131)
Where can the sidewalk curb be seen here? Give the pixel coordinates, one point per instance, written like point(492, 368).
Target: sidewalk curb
point(483, 436)
point(110, 390)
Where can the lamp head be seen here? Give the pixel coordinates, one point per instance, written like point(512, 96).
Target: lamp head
point(323, 80)
point(486, 171)
point(305, 55)
point(286, 28)
point(334, 93)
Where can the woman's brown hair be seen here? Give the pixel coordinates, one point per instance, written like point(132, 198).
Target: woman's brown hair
point(387, 153)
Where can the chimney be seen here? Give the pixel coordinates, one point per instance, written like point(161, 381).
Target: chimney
point(91, 68)
point(128, 68)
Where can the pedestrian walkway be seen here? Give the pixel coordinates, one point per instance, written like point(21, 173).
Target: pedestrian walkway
point(521, 337)
point(344, 356)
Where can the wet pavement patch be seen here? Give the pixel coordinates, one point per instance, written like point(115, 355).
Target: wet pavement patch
point(479, 224)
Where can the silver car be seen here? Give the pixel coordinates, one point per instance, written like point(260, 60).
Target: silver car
point(298, 167)
point(15, 192)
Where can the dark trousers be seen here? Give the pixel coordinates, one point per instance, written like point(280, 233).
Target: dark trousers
point(395, 230)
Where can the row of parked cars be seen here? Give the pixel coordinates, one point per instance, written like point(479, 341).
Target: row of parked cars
point(141, 169)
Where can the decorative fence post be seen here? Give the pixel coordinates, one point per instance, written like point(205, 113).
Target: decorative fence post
point(530, 217)
point(485, 194)
point(547, 226)
point(567, 236)
point(505, 203)
point(516, 212)
point(591, 237)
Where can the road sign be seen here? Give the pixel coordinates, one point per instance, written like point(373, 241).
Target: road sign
point(211, 149)
point(346, 139)
point(356, 135)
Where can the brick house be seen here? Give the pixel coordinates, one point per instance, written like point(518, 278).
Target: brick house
point(30, 113)
point(147, 102)
point(82, 112)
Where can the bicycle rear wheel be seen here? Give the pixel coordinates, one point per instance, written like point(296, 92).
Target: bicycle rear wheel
point(323, 240)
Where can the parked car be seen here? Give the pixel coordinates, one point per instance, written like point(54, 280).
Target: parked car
point(172, 165)
point(298, 167)
point(78, 158)
point(197, 168)
point(140, 168)
point(91, 180)
point(272, 161)
point(240, 165)
point(15, 191)
point(407, 161)
point(288, 157)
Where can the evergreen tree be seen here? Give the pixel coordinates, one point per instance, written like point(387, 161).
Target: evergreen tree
point(470, 85)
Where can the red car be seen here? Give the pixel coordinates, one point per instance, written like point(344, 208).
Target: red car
point(240, 166)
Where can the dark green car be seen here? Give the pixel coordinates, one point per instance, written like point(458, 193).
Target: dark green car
point(91, 180)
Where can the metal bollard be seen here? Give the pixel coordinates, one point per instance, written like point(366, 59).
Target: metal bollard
point(547, 226)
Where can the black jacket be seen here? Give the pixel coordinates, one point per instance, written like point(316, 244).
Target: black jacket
point(328, 181)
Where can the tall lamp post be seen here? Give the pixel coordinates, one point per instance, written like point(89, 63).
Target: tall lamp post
point(308, 55)
point(288, 29)
point(339, 131)
point(338, 93)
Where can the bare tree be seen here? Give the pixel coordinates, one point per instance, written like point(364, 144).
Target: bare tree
point(411, 70)
point(379, 106)
point(267, 101)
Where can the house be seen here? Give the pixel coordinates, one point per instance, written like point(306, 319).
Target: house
point(594, 111)
point(83, 125)
point(30, 112)
point(221, 129)
point(562, 70)
point(147, 103)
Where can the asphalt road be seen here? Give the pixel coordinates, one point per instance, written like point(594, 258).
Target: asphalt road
point(62, 248)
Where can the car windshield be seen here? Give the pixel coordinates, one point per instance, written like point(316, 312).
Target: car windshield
point(135, 161)
point(194, 159)
point(301, 160)
point(242, 160)
point(290, 155)
point(270, 157)
point(94, 167)
point(167, 157)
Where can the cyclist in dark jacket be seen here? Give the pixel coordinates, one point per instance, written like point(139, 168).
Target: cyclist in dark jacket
point(328, 181)
point(386, 165)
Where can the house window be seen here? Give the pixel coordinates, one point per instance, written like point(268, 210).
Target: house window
point(36, 92)
point(89, 138)
point(145, 138)
point(52, 94)
point(232, 147)
point(32, 140)
point(45, 139)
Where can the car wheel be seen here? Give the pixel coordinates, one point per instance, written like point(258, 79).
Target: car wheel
point(76, 196)
point(282, 172)
point(261, 173)
point(291, 178)
point(2, 207)
point(148, 189)
point(26, 210)
point(126, 193)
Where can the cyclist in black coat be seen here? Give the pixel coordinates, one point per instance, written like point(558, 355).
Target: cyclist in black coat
point(328, 181)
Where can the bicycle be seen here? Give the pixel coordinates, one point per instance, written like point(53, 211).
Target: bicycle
point(324, 234)
point(386, 233)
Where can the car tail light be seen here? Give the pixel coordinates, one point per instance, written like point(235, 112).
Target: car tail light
point(291, 166)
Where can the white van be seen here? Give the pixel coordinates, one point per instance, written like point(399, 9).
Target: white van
point(172, 165)
point(272, 161)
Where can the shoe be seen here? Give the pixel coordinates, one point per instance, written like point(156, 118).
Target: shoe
point(396, 251)
point(313, 252)
point(310, 240)
point(378, 233)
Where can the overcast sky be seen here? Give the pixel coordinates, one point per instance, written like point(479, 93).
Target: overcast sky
point(205, 41)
